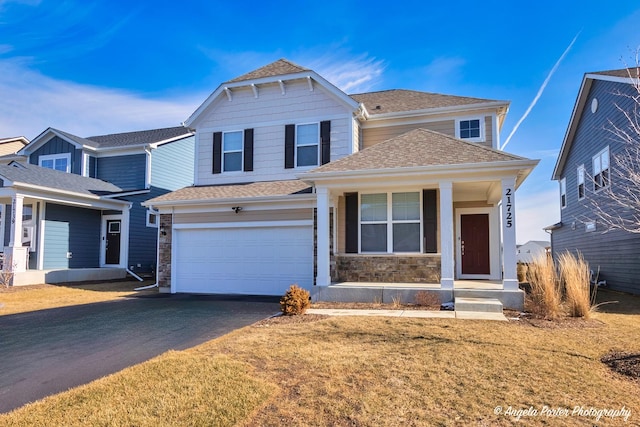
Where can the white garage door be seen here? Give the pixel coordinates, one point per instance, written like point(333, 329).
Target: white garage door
point(252, 261)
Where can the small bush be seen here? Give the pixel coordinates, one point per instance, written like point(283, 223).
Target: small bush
point(295, 301)
point(427, 299)
point(545, 287)
point(574, 271)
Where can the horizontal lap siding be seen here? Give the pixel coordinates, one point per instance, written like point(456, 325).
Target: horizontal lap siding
point(243, 216)
point(143, 240)
point(616, 253)
point(57, 145)
point(127, 172)
point(373, 136)
point(172, 164)
point(56, 243)
point(84, 233)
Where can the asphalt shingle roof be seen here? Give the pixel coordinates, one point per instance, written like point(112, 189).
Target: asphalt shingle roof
point(236, 191)
point(396, 100)
point(417, 148)
point(26, 173)
point(277, 68)
point(138, 138)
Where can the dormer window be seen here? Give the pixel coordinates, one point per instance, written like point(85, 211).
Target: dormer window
point(471, 129)
point(59, 162)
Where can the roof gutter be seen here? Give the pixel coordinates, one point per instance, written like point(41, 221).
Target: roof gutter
point(261, 199)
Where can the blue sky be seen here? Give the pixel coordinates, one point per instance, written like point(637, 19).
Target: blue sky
point(95, 67)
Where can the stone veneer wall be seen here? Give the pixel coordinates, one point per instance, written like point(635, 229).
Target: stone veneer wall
point(419, 268)
point(164, 253)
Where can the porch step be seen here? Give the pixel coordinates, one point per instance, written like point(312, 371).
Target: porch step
point(484, 305)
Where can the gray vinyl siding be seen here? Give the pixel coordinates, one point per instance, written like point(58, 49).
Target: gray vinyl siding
point(615, 253)
point(83, 238)
point(57, 145)
point(127, 172)
point(172, 165)
point(143, 240)
point(93, 166)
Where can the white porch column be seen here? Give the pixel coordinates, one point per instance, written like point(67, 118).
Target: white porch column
point(447, 262)
point(15, 256)
point(510, 278)
point(324, 277)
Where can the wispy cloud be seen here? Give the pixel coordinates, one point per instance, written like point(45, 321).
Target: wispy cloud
point(444, 67)
point(539, 94)
point(355, 74)
point(31, 102)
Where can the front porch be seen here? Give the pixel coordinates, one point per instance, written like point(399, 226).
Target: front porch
point(387, 293)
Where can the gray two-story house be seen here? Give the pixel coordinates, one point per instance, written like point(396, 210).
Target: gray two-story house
point(72, 209)
point(588, 172)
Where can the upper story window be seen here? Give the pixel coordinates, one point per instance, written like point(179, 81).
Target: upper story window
point(59, 162)
point(563, 193)
point(390, 222)
point(471, 129)
point(307, 143)
point(232, 151)
point(580, 182)
point(601, 170)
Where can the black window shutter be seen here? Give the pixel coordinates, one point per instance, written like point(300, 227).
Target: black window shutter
point(217, 152)
point(248, 150)
point(289, 146)
point(430, 218)
point(351, 223)
point(325, 142)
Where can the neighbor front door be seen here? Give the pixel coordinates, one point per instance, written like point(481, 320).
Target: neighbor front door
point(474, 243)
point(112, 247)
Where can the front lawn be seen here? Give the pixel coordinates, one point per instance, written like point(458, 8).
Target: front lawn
point(373, 371)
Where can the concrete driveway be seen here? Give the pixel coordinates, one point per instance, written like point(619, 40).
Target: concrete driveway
point(48, 351)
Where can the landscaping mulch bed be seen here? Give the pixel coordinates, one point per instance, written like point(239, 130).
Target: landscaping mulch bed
point(624, 363)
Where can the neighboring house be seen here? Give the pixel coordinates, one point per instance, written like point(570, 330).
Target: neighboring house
point(532, 250)
point(76, 202)
point(12, 145)
point(585, 170)
point(299, 182)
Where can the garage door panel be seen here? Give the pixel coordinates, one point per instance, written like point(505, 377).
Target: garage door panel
point(261, 260)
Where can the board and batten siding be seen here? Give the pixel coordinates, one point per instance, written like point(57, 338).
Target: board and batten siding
point(615, 253)
point(172, 164)
point(267, 115)
point(127, 172)
point(57, 145)
point(82, 239)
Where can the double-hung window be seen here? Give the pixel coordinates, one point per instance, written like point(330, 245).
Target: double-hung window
point(59, 162)
point(307, 143)
point(563, 193)
point(390, 222)
point(232, 151)
point(580, 177)
point(601, 170)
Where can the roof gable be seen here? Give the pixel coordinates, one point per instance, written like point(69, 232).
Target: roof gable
point(277, 68)
point(417, 148)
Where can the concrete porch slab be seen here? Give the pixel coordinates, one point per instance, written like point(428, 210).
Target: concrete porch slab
point(484, 305)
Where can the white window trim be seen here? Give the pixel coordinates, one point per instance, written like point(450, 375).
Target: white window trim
point(563, 192)
point(390, 221)
point(584, 187)
point(149, 214)
point(296, 145)
point(54, 157)
point(241, 151)
point(593, 159)
point(481, 138)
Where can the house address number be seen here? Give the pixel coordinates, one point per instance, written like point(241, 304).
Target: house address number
point(508, 208)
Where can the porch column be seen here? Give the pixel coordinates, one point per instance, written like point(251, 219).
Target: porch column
point(510, 278)
point(15, 254)
point(446, 235)
point(323, 277)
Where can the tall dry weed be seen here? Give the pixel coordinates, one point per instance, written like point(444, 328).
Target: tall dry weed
point(545, 287)
point(574, 272)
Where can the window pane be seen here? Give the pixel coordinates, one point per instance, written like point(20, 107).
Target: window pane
point(308, 156)
point(61, 164)
point(233, 141)
point(470, 129)
point(47, 164)
point(232, 162)
point(406, 237)
point(307, 134)
point(373, 207)
point(596, 166)
point(605, 160)
point(406, 206)
point(374, 238)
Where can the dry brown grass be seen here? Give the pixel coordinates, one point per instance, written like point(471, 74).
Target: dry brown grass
point(574, 271)
point(20, 299)
point(350, 371)
point(545, 290)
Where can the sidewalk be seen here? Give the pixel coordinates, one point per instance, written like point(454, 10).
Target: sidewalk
point(432, 314)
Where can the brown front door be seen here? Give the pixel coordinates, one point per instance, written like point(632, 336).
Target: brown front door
point(474, 236)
